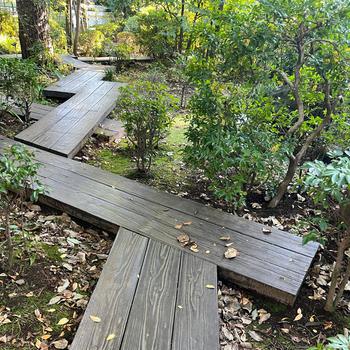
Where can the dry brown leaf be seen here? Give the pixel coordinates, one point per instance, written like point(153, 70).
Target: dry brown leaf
point(60, 344)
point(62, 321)
point(231, 253)
point(255, 336)
point(95, 318)
point(225, 238)
point(111, 337)
point(178, 226)
point(183, 238)
point(194, 248)
point(210, 286)
point(299, 315)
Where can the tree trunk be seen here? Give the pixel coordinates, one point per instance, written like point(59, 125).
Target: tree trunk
point(77, 27)
point(69, 24)
point(295, 160)
point(182, 25)
point(34, 32)
point(331, 297)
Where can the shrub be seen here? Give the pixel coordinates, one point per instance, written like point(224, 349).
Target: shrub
point(146, 113)
point(329, 186)
point(91, 42)
point(19, 83)
point(229, 144)
point(18, 174)
point(156, 33)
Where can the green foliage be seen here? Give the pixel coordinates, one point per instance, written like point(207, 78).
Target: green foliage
point(145, 110)
point(236, 152)
point(329, 184)
point(155, 32)
point(19, 83)
point(18, 174)
point(339, 342)
point(255, 45)
point(9, 42)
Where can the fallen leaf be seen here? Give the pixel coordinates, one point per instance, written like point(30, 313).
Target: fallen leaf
point(95, 318)
point(62, 288)
point(231, 253)
point(62, 322)
point(111, 337)
point(68, 266)
point(187, 223)
point(255, 336)
point(60, 344)
point(194, 248)
point(225, 238)
point(299, 315)
point(55, 300)
point(183, 238)
point(210, 286)
point(266, 230)
point(178, 226)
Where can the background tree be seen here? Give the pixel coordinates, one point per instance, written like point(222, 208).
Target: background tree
point(34, 31)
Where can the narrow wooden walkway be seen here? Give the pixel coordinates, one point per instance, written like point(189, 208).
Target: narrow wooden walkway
point(66, 128)
point(273, 264)
point(155, 294)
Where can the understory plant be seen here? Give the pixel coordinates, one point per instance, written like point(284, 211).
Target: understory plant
point(146, 111)
point(19, 84)
point(339, 342)
point(18, 178)
point(329, 186)
point(236, 152)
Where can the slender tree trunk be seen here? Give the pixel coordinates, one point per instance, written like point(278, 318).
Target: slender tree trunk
point(77, 27)
point(34, 32)
point(295, 160)
point(182, 25)
point(69, 24)
point(331, 297)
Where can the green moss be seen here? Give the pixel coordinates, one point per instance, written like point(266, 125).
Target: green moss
point(116, 162)
point(51, 252)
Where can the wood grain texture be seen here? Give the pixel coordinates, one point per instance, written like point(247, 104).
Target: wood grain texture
point(150, 323)
point(196, 323)
point(113, 295)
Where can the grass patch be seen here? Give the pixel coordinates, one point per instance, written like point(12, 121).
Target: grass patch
point(27, 321)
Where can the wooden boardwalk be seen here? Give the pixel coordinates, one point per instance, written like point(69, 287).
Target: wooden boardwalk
point(66, 127)
point(155, 294)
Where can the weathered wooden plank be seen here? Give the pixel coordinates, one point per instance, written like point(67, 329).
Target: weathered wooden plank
point(150, 323)
point(70, 124)
point(227, 221)
point(113, 295)
point(265, 267)
point(284, 284)
point(196, 323)
point(246, 245)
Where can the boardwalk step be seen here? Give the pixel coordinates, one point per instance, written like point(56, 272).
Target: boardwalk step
point(274, 265)
point(151, 297)
point(67, 127)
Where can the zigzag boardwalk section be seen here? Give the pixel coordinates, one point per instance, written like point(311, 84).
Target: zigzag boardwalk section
point(273, 264)
point(65, 128)
point(154, 294)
